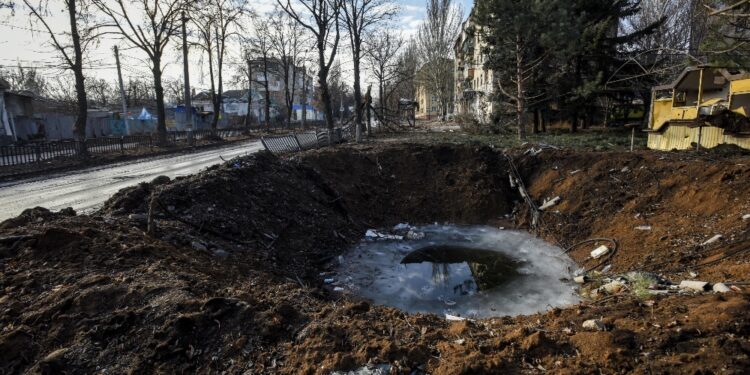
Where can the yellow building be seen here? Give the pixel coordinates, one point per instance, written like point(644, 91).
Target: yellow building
point(430, 106)
point(705, 106)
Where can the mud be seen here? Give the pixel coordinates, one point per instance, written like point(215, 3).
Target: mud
point(229, 279)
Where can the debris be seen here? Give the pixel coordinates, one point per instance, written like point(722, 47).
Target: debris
point(698, 286)
point(581, 279)
point(721, 288)
point(713, 239)
point(746, 217)
point(402, 226)
point(643, 227)
point(383, 369)
point(614, 287)
point(329, 281)
point(219, 253)
point(606, 268)
point(600, 252)
point(459, 341)
point(533, 151)
point(454, 318)
point(373, 234)
point(575, 172)
point(141, 218)
point(594, 325)
point(198, 246)
point(414, 235)
point(338, 289)
point(693, 274)
point(625, 170)
point(549, 203)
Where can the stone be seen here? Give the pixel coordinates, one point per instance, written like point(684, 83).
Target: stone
point(594, 325)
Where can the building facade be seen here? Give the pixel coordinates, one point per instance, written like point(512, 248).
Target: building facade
point(474, 83)
point(428, 97)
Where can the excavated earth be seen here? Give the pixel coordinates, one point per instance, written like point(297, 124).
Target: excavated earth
point(229, 279)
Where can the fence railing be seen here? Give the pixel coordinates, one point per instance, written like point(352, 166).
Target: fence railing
point(30, 154)
point(304, 141)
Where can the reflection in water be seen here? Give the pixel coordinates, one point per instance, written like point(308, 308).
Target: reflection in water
point(488, 268)
point(467, 271)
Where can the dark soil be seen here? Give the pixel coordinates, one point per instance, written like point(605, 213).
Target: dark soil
point(228, 281)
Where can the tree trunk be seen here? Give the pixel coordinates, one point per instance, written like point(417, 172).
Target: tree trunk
point(79, 129)
point(161, 125)
point(357, 91)
point(381, 99)
point(574, 123)
point(520, 101)
point(303, 101)
point(249, 95)
point(325, 93)
point(214, 97)
point(535, 128)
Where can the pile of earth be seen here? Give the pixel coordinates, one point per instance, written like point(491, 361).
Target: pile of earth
point(227, 280)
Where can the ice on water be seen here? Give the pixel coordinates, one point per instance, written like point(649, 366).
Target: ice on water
point(528, 275)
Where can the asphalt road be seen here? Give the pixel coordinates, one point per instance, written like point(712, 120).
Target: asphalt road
point(88, 189)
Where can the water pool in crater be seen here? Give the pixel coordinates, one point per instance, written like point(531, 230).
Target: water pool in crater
point(467, 271)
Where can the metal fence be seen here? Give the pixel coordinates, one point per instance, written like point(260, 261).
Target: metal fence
point(303, 141)
point(30, 154)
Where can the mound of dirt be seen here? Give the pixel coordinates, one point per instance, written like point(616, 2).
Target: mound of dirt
point(227, 280)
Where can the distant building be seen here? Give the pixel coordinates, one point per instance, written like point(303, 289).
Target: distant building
point(430, 107)
point(474, 83)
point(235, 102)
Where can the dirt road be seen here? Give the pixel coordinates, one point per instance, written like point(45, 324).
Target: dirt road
point(88, 189)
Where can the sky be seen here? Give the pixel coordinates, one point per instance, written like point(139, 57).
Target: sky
point(22, 42)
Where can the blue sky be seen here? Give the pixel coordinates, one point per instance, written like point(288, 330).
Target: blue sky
point(413, 12)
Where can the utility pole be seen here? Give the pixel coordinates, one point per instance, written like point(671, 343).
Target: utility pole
point(304, 96)
point(122, 90)
point(249, 92)
point(186, 72)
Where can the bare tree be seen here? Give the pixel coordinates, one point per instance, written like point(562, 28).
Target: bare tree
point(261, 48)
point(359, 16)
point(71, 45)
point(100, 91)
point(162, 20)
point(174, 91)
point(139, 93)
point(382, 56)
point(435, 39)
point(321, 18)
point(217, 21)
point(287, 42)
point(26, 78)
